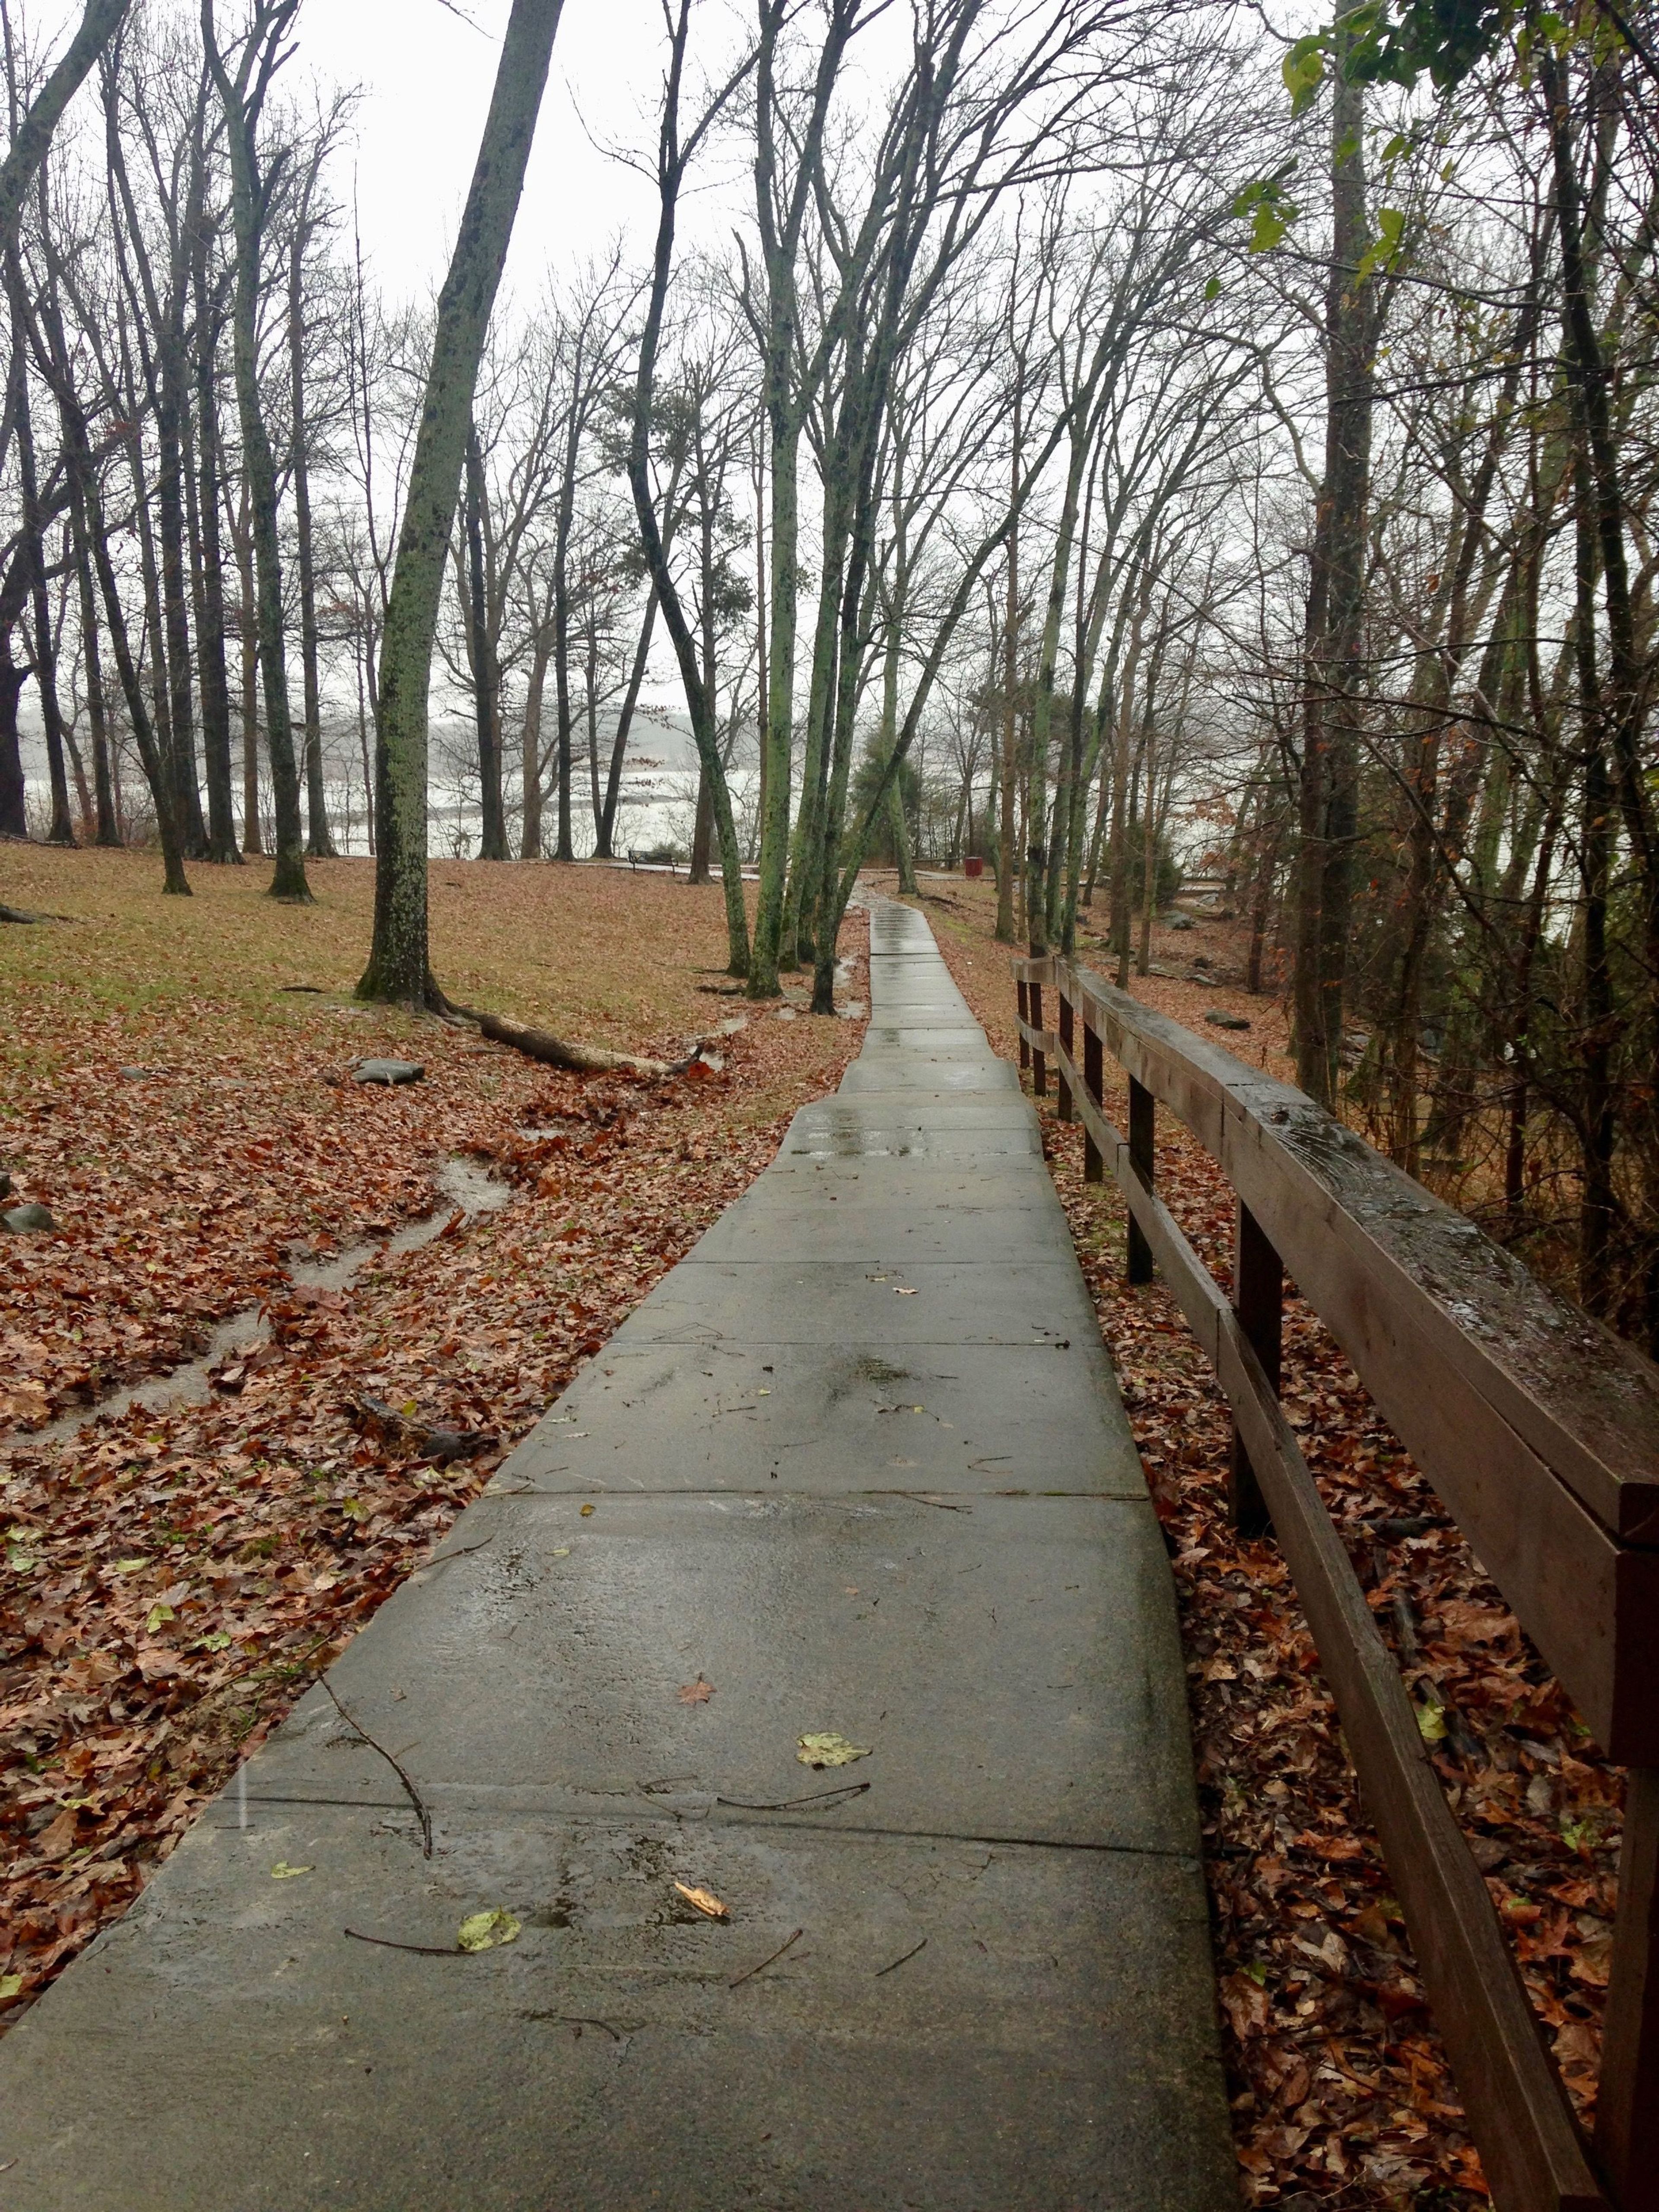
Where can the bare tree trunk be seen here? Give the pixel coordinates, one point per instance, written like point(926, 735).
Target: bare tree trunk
point(108, 832)
point(252, 831)
point(212, 673)
point(1007, 835)
point(31, 137)
point(763, 745)
point(242, 98)
point(399, 967)
point(360, 658)
point(624, 722)
point(161, 345)
point(319, 845)
point(780, 210)
point(673, 156)
point(149, 753)
point(486, 677)
point(53, 357)
point(14, 818)
point(33, 554)
point(1334, 672)
point(530, 836)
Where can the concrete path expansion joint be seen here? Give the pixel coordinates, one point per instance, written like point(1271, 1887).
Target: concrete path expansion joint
point(857, 1472)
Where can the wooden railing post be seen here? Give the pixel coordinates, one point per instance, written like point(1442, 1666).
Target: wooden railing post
point(1023, 997)
point(1039, 1060)
point(1542, 1438)
point(1627, 2105)
point(1259, 1301)
point(1094, 1167)
point(1067, 1032)
point(1143, 1110)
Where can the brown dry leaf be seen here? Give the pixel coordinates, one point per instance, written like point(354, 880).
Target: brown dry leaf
point(271, 1521)
point(705, 1900)
point(1341, 2090)
point(696, 1693)
point(60, 1835)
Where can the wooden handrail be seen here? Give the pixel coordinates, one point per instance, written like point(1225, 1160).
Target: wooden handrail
point(1538, 1430)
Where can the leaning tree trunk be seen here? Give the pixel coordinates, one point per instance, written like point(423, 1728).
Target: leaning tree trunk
point(98, 24)
point(398, 965)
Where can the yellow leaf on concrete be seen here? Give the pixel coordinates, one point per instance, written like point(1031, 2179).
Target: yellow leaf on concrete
point(829, 1751)
point(705, 1900)
point(483, 1931)
point(283, 1872)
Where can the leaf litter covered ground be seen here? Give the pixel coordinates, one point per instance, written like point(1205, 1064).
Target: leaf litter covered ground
point(1342, 2097)
point(175, 1578)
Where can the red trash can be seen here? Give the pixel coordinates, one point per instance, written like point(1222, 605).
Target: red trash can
point(973, 866)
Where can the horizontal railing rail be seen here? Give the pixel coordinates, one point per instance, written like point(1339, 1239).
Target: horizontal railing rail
point(1540, 1432)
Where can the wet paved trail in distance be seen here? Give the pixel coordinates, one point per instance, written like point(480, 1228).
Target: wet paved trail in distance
point(856, 1468)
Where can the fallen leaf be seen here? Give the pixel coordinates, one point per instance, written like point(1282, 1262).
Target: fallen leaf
point(156, 1615)
point(705, 1900)
point(11, 1985)
point(696, 1693)
point(586, 1509)
point(821, 1751)
point(483, 1931)
point(898, 1293)
point(1246, 2004)
point(296, 1515)
point(54, 1841)
point(283, 1872)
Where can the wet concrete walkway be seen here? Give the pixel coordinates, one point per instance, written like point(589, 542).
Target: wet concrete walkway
point(857, 1467)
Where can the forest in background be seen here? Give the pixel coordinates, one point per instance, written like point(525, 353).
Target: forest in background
point(1100, 436)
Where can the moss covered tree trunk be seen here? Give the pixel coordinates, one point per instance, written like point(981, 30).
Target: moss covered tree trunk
point(399, 967)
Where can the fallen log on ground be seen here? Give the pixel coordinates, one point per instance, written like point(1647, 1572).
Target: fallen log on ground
point(554, 1052)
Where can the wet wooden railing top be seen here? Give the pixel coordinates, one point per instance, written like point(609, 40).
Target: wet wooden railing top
point(1537, 1427)
point(1587, 1403)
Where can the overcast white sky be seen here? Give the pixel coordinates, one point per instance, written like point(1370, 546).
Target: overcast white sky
point(425, 76)
point(426, 79)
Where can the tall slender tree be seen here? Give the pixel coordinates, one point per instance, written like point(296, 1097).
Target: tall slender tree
point(242, 95)
point(400, 963)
